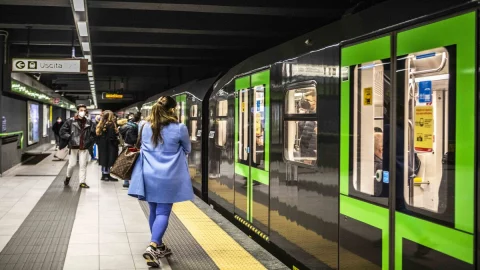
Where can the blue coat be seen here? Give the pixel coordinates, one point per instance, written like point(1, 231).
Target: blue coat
point(161, 173)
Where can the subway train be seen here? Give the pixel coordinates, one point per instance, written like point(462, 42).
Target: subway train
point(350, 147)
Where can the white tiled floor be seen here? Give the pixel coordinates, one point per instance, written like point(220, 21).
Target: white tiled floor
point(110, 229)
point(20, 194)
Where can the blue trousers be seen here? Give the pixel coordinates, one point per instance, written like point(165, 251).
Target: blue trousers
point(158, 220)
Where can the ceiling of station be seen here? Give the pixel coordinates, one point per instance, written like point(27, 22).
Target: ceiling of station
point(145, 46)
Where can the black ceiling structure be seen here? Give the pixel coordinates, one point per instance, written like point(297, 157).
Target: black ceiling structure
point(144, 47)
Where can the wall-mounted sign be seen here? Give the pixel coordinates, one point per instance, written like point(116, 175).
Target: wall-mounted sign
point(49, 65)
point(116, 96)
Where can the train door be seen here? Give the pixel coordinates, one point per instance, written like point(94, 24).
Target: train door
point(435, 135)
point(252, 154)
point(364, 174)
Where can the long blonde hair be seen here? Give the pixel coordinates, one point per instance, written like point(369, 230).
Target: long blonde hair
point(162, 114)
point(107, 119)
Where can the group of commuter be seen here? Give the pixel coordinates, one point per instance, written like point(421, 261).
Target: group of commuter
point(160, 174)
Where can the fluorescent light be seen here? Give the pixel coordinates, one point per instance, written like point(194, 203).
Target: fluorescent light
point(90, 74)
point(86, 46)
point(89, 67)
point(78, 5)
point(88, 57)
point(82, 29)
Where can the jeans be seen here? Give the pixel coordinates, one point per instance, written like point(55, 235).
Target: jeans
point(57, 140)
point(158, 220)
point(72, 162)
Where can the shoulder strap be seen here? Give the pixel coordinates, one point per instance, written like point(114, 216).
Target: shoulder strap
point(139, 139)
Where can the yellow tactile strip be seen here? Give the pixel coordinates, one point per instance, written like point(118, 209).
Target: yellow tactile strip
point(222, 249)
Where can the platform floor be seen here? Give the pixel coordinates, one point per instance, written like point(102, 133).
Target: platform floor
point(44, 225)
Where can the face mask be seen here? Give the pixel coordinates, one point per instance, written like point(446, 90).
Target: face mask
point(59, 121)
point(81, 114)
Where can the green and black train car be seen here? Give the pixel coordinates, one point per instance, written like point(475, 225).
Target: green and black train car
point(353, 146)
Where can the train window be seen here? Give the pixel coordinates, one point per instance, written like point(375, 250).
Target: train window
point(301, 125)
point(221, 123)
point(301, 101)
point(369, 80)
point(429, 129)
point(222, 108)
point(194, 111)
point(193, 130)
point(301, 141)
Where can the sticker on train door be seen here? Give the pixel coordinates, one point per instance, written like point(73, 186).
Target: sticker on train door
point(243, 106)
point(367, 96)
point(424, 128)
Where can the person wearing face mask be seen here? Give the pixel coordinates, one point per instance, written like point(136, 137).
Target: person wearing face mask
point(80, 133)
point(56, 130)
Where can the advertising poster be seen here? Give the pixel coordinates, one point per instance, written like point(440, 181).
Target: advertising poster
point(46, 121)
point(424, 128)
point(33, 122)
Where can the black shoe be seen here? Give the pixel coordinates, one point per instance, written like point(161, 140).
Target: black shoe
point(104, 177)
point(67, 181)
point(126, 185)
point(83, 185)
point(111, 178)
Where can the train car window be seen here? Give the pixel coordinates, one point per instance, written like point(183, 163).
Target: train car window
point(193, 122)
point(259, 124)
point(301, 132)
point(301, 101)
point(222, 108)
point(368, 124)
point(221, 123)
point(428, 129)
point(193, 130)
point(194, 111)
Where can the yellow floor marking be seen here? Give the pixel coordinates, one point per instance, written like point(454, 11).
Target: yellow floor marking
point(222, 249)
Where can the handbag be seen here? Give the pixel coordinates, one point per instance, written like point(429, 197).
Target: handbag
point(123, 166)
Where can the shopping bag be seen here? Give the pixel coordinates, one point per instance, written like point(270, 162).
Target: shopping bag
point(61, 153)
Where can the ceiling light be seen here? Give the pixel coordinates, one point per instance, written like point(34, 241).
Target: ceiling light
point(86, 46)
point(82, 29)
point(90, 74)
point(88, 57)
point(89, 67)
point(78, 5)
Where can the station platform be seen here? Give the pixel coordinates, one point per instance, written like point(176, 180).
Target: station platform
point(45, 225)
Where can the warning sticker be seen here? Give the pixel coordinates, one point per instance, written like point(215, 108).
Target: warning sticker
point(243, 106)
point(424, 128)
point(367, 96)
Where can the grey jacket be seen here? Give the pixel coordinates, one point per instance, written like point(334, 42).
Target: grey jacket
point(77, 137)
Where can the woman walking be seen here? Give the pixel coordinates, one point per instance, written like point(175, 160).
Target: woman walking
point(107, 142)
point(160, 175)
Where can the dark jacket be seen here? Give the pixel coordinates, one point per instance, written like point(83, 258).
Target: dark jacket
point(56, 128)
point(107, 146)
point(129, 133)
point(79, 132)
